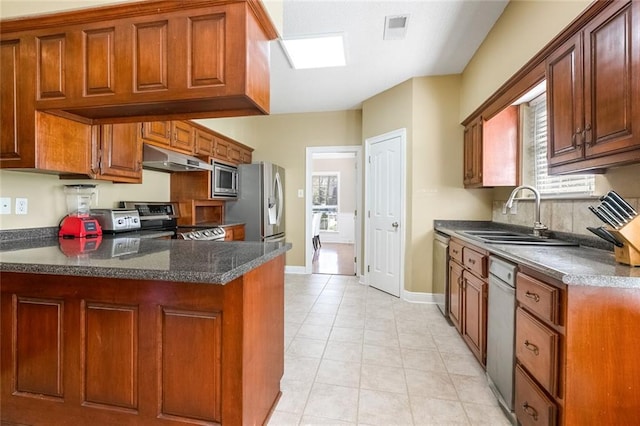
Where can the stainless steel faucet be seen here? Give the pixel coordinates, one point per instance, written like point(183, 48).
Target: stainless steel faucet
point(538, 228)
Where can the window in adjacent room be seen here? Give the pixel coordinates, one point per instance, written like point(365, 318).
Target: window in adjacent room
point(535, 156)
point(326, 187)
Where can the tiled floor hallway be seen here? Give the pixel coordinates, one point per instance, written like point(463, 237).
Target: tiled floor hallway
point(355, 355)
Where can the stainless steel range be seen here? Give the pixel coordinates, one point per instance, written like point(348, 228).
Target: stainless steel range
point(163, 216)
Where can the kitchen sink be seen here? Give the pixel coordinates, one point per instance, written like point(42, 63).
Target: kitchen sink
point(509, 237)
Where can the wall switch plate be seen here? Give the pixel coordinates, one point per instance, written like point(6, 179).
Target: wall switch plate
point(5, 205)
point(21, 206)
point(300, 193)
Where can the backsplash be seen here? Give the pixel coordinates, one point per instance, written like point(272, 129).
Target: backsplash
point(572, 216)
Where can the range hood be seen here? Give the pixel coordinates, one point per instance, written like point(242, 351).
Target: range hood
point(155, 158)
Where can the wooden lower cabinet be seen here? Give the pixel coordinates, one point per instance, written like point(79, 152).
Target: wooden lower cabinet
point(80, 350)
point(576, 362)
point(474, 330)
point(468, 295)
point(234, 233)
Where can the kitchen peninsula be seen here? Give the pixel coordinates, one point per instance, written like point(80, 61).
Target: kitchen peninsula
point(175, 332)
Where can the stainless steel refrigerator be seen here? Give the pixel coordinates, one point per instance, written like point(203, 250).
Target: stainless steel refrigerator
point(260, 202)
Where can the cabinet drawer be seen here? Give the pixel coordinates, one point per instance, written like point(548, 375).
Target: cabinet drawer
point(474, 261)
point(540, 298)
point(532, 407)
point(455, 251)
point(537, 349)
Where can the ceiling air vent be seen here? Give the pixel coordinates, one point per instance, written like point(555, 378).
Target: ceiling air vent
point(395, 27)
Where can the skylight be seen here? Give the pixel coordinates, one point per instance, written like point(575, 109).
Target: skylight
point(315, 52)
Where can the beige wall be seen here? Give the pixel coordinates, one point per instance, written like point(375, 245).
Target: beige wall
point(428, 107)
point(47, 202)
point(283, 139)
point(522, 30)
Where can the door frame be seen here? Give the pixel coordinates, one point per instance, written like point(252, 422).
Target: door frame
point(402, 134)
point(357, 150)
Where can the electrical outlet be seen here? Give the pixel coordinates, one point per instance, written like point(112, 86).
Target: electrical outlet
point(21, 205)
point(5, 205)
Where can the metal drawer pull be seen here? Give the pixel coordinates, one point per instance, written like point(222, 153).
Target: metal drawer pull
point(530, 411)
point(533, 296)
point(533, 348)
point(472, 261)
point(454, 251)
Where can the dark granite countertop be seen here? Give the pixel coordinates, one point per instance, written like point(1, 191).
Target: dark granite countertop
point(132, 257)
point(578, 265)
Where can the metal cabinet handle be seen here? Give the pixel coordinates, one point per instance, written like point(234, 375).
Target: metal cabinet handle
point(471, 261)
point(530, 411)
point(454, 251)
point(533, 296)
point(533, 348)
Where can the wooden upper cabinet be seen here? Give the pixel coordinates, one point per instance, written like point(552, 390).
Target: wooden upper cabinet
point(120, 153)
point(147, 61)
point(157, 133)
point(593, 90)
point(491, 150)
point(204, 142)
point(182, 136)
point(174, 135)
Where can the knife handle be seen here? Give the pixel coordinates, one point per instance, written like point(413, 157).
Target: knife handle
point(623, 203)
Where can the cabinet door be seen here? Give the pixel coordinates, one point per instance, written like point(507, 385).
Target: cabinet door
point(204, 142)
point(235, 155)
point(120, 153)
point(10, 100)
point(473, 153)
point(455, 294)
point(474, 329)
point(565, 106)
point(245, 156)
point(182, 136)
point(221, 149)
point(612, 85)
point(157, 132)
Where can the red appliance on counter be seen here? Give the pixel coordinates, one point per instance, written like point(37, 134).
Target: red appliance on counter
point(79, 223)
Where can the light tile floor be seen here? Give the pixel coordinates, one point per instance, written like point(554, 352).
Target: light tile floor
point(357, 356)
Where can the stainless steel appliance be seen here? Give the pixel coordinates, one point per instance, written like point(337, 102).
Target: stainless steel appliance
point(163, 160)
point(224, 180)
point(260, 202)
point(441, 272)
point(117, 220)
point(501, 331)
point(163, 218)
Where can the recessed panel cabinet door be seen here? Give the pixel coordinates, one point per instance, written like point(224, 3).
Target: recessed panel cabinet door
point(565, 103)
point(475, 315)
point(612, 86)
point(121, 152)
point(455, 294)
point(10, 100)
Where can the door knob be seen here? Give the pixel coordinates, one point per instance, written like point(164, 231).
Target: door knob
point(395, 225)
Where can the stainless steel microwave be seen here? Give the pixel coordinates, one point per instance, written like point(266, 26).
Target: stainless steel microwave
point(224, 180)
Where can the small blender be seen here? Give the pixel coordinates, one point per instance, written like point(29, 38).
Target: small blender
point(78, 223)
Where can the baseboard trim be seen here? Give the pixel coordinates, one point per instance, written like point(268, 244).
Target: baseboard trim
point(418, 297)
point(295, 270)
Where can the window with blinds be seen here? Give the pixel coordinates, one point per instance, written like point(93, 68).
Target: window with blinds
point(537, 139)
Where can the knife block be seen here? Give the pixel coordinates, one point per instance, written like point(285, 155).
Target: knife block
point(629, 235)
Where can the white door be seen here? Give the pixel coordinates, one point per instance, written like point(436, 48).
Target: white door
point(385, 188)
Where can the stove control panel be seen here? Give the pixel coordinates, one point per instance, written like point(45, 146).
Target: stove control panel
point(117, 220)
point(207, 234)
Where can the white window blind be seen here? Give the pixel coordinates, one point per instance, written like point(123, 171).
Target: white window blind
point(551, 185)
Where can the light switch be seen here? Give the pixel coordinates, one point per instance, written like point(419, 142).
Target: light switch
point(5, 205)
point(300, 193)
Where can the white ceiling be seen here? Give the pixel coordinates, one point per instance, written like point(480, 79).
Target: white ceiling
point(441, 38)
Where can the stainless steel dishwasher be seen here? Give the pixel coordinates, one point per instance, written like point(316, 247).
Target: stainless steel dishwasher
point(441, 272)
point(501, 331)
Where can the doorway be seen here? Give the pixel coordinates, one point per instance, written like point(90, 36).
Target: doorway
point(331, 215)
point(385, 224)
